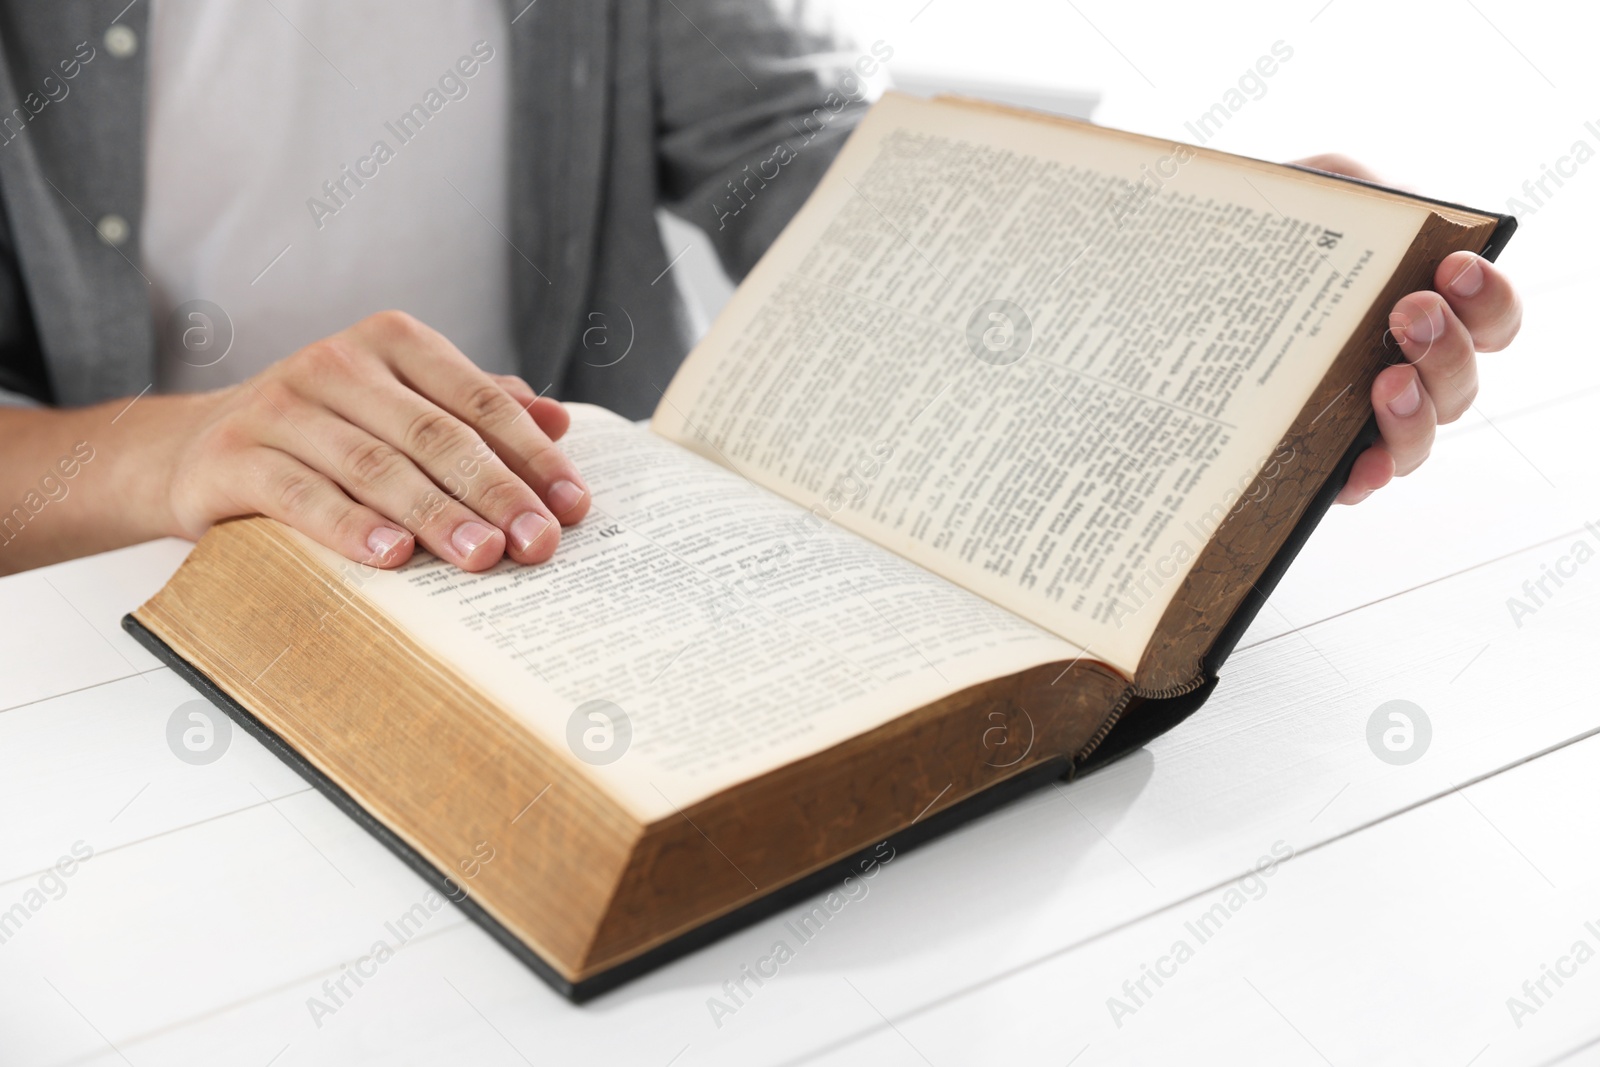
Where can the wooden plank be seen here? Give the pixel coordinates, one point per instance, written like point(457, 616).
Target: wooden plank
point(60, 625)
point(205, 916)
point(1408, 943)
point(97, 765)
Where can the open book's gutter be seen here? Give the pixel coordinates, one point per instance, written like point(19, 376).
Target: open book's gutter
point(1128, 696)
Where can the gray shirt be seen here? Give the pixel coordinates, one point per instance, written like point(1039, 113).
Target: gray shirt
point(617, 106)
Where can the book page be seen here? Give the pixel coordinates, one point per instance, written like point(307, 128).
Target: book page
point(715, 629)
point(1075, 348)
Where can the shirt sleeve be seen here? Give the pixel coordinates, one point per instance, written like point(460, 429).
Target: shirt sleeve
point(23, 379)
point(753, 104)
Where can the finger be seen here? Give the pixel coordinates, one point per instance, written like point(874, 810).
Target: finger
point(1406, 417)
point(285, 489)
point(434, 367)
point(461, 464)
point(552, 417)
point(1482, 298)
point(1437, 343)
point(380, 476)
point(1335, 163)
point(1372, 471)
point(550, 414)
point(518, 388)
point(518, 440)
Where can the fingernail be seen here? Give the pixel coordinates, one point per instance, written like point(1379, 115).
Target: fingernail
point(1424, 329)
point(1399, 326)
point(383, 541)
point(526, 528)
point(469, 537)
point(564, 496)
point(1469, 280)
point(1406, 403)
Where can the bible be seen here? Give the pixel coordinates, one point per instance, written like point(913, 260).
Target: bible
point(974, 484)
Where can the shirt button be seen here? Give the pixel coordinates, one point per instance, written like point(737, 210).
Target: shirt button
point(121, 41)
point(113, 229)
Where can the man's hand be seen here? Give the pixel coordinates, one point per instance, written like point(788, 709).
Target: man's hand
point(379, 437)
point(1472, 308)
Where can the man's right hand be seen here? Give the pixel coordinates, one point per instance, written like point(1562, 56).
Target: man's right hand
point(377, 438)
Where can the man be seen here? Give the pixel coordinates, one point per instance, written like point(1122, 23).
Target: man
point(211, 212)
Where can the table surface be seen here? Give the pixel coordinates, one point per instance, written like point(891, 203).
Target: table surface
point(1113, 920)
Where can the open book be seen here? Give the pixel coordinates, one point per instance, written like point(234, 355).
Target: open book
point(974, 482)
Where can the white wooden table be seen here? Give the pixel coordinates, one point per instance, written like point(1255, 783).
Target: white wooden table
point(219, 898)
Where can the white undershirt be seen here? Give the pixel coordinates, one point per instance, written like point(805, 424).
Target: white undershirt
point(254, 106)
